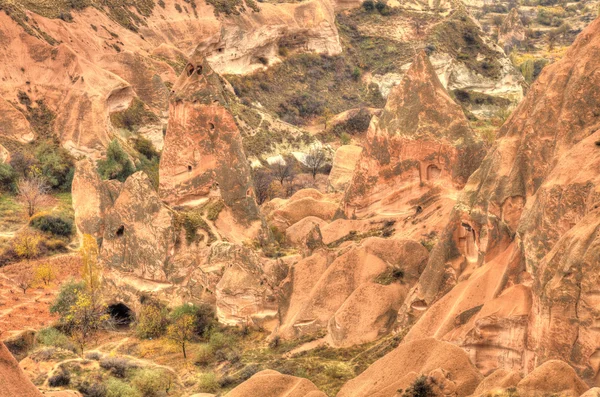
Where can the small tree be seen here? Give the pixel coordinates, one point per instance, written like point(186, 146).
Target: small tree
point(85, 317)
point(27, 244)
point(90, 272)
point(24, 279)
point(283, 171)
point(44, 273)
point(315, 160)
point(262, 183)
point(32, 191)
point(181, 329)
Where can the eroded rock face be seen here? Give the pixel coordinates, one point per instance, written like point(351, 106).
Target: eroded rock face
point(139, 231)
point(512, 31)
point(92, 66)
point(446, 363)
point(355, 295)
point(344, 162)
point(273, 384)
point(525, 231)
point(92, 198)
point(14, 382)
point(203, 154)
point(418, 153)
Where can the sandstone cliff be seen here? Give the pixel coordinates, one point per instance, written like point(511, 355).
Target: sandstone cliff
point(519, 255)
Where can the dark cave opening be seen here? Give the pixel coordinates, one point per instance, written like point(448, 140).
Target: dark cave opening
point(121, 315)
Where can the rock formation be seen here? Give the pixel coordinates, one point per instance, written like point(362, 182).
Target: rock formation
point(513, 279)
point(512, 31)
point(418, 153)
point(454, 374)
point(355, 295)
point(344, 163)
point(273, 384)
point(92, 198)
point(203, 155)
point(90, 67)
point(13, 381)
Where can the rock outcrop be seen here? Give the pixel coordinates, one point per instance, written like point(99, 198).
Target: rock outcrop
point(92, 198)
point(13, 381)
point(355, 295)
point(418, 153)
point(513, 280)
point(344, 162)
point(454, 374)
point(273, 384)
point(95, 64)
point(203, 154)
point(512, 31)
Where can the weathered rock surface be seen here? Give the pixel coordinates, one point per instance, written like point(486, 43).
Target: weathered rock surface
point(552, 377)
point(516, 267)
point(12, 379)
point(449, 365)
point(512, 31)
point(92, 198)
point(283, 213)
point(92, 66)
point(273, 384)
point(344, 162)
point(138, 231)
point(203, 154)
point(355, 295)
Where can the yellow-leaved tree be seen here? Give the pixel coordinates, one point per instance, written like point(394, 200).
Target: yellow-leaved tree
point(90, 272)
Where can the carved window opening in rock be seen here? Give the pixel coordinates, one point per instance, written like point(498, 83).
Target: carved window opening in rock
point(199, 70)
point(433, 172)
point(419, 305)
point(121, 315)
point(598, 143)
point(189, 168)
point(189, 69)
point(211, 126)
point(120, 231)
point(220, 49)
point(466, 242)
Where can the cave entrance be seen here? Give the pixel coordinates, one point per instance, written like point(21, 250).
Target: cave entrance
point(121, 315)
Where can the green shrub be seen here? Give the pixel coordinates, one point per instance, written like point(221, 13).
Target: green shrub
point(117, 164)
point(133, 117)
point(345, 138)
point(52, 337)
point(339, 371)
point(368, 5)
point(67, 297)
point(118, 366)
point(151, 382)
point(61, 378)
point(152, 321)
point(118, 388)
point(218, 340)
point(56, 164)
point(8, 178)
point(421, 387)
point(207, 383)
point(204, 316)
point(54, 224)
point(205, 355)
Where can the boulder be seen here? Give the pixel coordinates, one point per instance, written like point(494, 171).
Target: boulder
point(499, 379)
